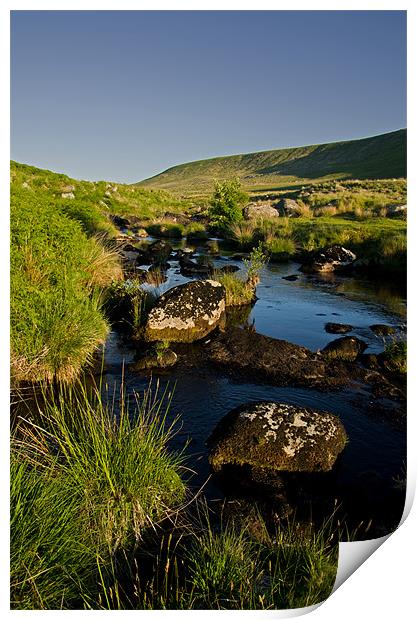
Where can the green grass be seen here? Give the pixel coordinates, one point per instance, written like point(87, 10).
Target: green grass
point(238, 293)
point(196, 230)
point(395, 357)
point(382, 241)
point(61, 260)
point(94, 203)
point(280, 248)
point(168, 229)
point(382, 156)
point(85, 485)
point(56, 277)
point(222, 567)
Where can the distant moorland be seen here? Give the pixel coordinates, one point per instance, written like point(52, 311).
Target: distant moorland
point(378, 157)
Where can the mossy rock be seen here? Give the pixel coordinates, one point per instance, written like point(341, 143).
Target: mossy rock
point(382, 330)
point(347, 348)
point(277, 437)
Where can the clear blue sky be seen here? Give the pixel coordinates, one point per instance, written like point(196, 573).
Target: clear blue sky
point(123, 95)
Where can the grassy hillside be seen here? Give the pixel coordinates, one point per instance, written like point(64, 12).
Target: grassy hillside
point(377, 157)
point(93, 203)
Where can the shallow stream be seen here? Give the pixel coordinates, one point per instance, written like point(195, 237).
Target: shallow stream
point(368, 476)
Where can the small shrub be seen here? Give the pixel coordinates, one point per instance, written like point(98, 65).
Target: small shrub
point(125, 304)
point(255, 263)
point(243, 233)
point(161, 347)
point(226, 203)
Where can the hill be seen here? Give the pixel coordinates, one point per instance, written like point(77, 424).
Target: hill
point(378, 157)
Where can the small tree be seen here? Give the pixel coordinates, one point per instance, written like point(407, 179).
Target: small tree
point(226, 203)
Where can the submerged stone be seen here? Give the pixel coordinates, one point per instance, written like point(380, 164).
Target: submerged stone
point(164, 359)
point(337, 328)
point(277, 437)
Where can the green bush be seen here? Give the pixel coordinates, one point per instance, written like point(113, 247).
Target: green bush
point(226, 203)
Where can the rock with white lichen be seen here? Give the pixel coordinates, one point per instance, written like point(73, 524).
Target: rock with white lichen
point(187, 312)
point(277, 437)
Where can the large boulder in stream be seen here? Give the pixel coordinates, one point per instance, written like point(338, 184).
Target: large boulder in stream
point(277, 437)
point(187, 312)
point(334, 258)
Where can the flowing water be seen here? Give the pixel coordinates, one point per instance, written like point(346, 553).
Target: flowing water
point(368, 475)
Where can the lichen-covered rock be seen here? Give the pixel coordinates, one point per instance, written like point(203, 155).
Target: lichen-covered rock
point(187, 312)
point(347, 348)
point(277, 437)
point(335, 258)
point(254, 211)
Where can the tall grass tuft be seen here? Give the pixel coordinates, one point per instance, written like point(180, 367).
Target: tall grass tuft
point(87, 480)
point(223, 567)
point(238, 293)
